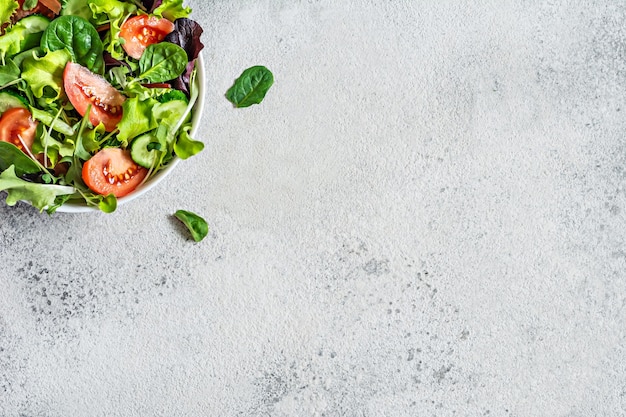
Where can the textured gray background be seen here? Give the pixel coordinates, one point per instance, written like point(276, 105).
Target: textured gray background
point(425, 217)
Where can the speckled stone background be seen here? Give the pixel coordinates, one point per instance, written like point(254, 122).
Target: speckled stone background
point(425, 217)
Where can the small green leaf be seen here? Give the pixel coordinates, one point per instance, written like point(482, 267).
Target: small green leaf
point(9, 72)
point(196, 224)
point(11, 155)
point(185, 147)
point(161, 62)
point(108, 204)
point(250, 88)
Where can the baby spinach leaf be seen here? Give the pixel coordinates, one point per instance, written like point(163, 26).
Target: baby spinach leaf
point(79, 37)
point(162, 62)
point(39, 195)
point(11, 155)
point(196, 224)
point(250, 88)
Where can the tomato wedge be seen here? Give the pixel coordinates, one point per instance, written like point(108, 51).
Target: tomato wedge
point(112, 171)
point(85, 88)
point(140, 31)
point(18, 127)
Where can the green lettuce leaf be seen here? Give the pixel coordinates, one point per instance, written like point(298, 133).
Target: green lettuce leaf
point(45, 75)
point(7, 8)
point(39, 195)
point(137, 119)
point(185, 147)
point(172, 10)
point(113, 12)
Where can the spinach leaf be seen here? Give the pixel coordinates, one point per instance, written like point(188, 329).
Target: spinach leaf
point(11, 155)
point(39, 195)
point(162, 62)
point(196, 224)
point(79, 37)
point(250, 88)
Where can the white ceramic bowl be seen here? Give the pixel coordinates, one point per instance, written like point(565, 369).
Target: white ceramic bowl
point(159, 176)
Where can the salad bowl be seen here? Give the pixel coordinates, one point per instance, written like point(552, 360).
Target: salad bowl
point(152, 182)
point(97, 105)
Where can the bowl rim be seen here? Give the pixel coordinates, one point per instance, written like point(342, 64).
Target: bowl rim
point(198, 108)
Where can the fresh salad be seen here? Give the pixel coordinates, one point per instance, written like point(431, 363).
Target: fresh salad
point(96, 96)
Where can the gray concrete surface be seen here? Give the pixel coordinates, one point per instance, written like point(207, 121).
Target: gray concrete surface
point(424, 218)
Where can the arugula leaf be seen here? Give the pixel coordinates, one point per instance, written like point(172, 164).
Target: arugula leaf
point(45, 75)
point(7, 8)
point(172, 10)
point(137, 118)
point(50, 121)
point(39, 195)
point(185, 147)
point(79, 37)
point(250, 88)
point(162, 62)
point(11, 155)
point(196, 224)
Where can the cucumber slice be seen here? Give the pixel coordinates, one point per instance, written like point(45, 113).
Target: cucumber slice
point(145, 149)
point(9, 100)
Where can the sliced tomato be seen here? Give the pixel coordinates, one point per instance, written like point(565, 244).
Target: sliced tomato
point(83, 88)
point(140, 31)
point(18, 127)
point(112, 171)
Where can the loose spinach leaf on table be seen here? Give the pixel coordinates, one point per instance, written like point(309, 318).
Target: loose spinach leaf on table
point(79, 37)
point(196, 224)
point(162, 62)
point(250, 88)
